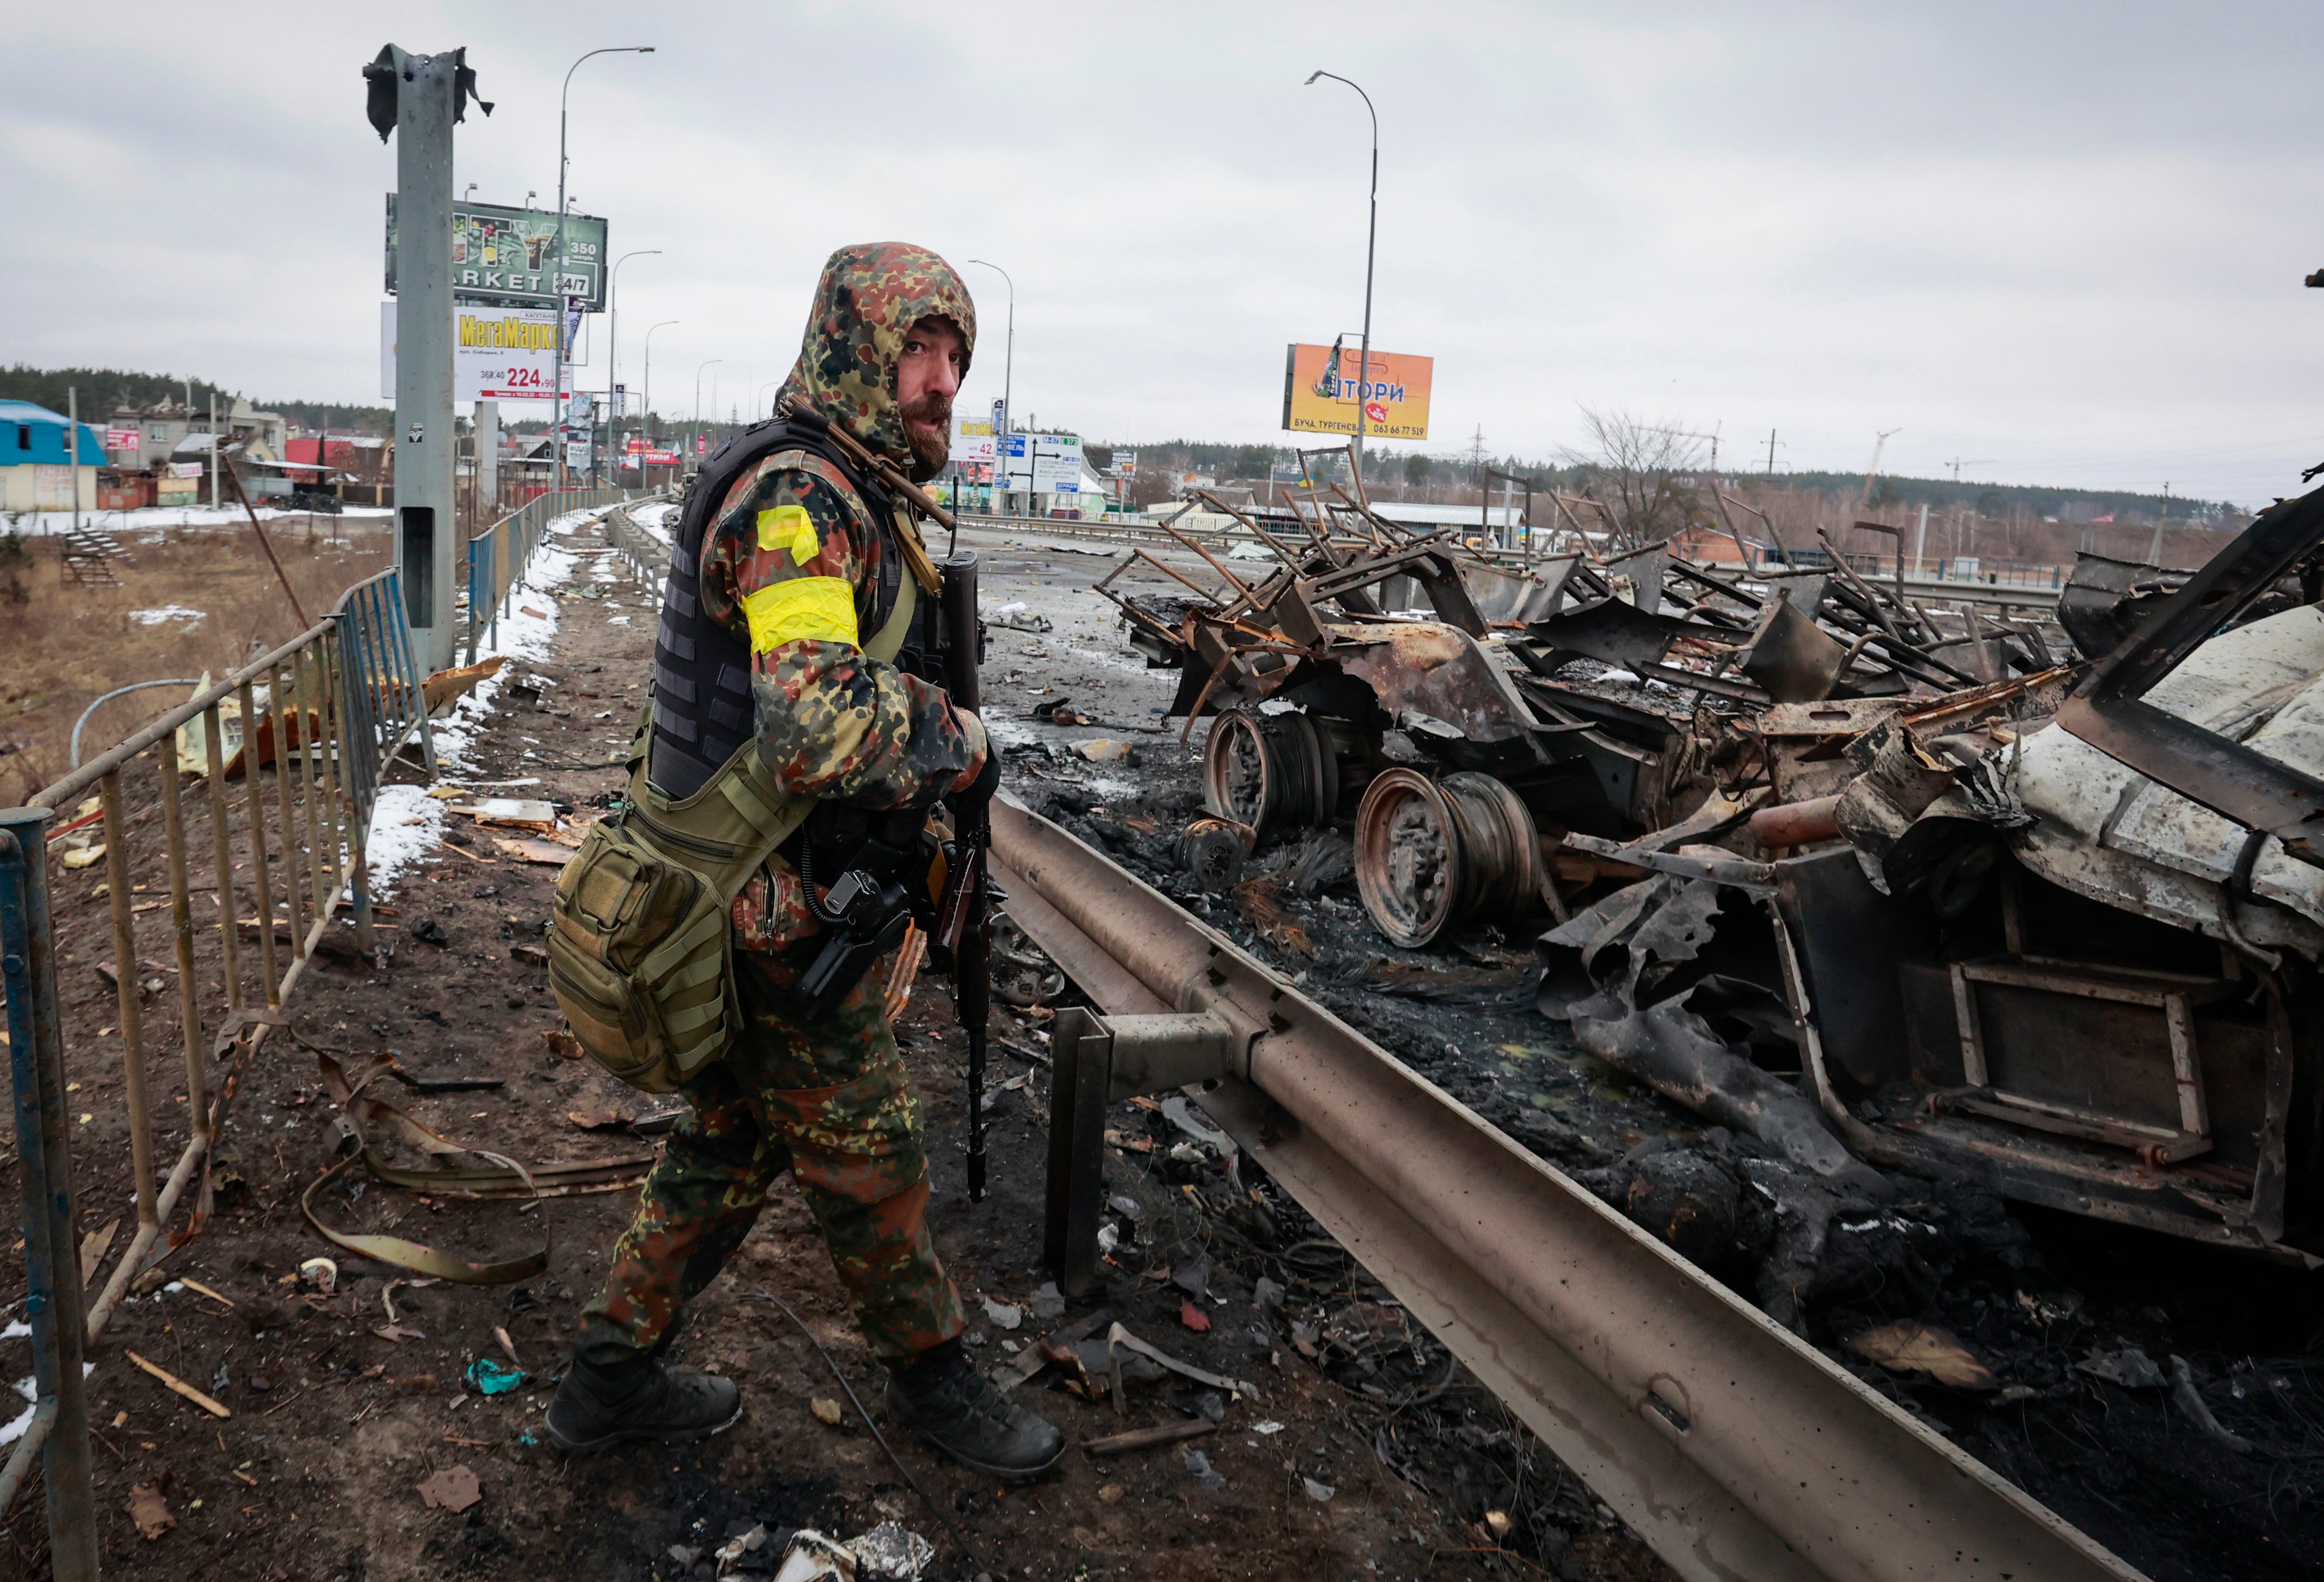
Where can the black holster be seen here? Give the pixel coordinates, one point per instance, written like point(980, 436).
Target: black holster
point(873, 866)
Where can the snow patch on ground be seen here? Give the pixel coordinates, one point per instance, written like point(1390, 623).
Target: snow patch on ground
point(156, 518)
point(168, 612)
point(407, 823)
point(14, 1430)
point(657, 518)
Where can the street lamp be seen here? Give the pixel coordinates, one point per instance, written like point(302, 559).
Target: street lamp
point(613, 344)
point(758, 402)
point(1363, 358)
point(698, 393)
point(1009, 355)
point(645, 401)
point(558, 280)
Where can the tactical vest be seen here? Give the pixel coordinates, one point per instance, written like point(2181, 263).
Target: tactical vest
point(702, 702)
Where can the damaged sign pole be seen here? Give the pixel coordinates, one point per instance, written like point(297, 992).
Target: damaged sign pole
point(418, 97)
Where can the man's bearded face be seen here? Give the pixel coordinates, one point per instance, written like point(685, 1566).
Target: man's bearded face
point(927, 377)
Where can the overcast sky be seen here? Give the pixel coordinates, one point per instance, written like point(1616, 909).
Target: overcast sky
point(2060, 243)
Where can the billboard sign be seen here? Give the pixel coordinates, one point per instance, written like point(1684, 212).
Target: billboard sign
point(1125, 463)
point(1039, 464)
point(1320, 393)
point(498, 354)
point(506, 257)
point(972, 440)
point(123, 440)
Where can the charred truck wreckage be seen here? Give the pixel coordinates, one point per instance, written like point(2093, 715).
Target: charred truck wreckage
point(2034, 904)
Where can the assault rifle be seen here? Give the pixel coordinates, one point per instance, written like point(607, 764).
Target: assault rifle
point(965, 918)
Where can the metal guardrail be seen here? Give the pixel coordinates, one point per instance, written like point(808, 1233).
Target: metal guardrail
point(1734, 1447)
point(326, 712)
point(498, 555)
point(648, 555)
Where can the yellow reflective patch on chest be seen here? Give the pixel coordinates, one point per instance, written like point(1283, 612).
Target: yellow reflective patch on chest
point(817, 609)
point(789, 527)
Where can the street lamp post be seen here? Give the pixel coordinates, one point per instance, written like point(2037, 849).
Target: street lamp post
point(613, 347)
point(1009, 355)
point(645, 400)
point(558, 404)
point(1371, 236)
point(758, 402)
point(698, 393)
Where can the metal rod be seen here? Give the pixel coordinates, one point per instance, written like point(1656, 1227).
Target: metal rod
point(303, 681)
point(52, 1304)
point(181, 926)
point(261, 885)
point(283, 704)
point(222, 859)
point(125, 982)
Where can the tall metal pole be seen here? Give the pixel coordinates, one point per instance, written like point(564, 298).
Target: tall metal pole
point(73, 454)
point(426, 541)
point(1371, 236)
point(556, 279)
point(613, 352)
point(697, 393)
point(645, 400)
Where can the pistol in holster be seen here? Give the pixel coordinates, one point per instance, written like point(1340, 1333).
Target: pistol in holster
point(874, 867)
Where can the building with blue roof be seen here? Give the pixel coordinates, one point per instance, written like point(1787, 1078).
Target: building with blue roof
point(37, 471)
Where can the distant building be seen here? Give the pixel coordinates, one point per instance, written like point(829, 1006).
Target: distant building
point(171, 429)
point(37, 470)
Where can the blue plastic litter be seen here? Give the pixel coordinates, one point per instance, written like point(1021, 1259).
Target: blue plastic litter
point(489, 1378)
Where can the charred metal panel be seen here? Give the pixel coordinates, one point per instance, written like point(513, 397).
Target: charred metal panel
point(1850, 938)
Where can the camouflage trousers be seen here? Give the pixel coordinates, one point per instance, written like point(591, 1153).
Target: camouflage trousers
point(826, 1101)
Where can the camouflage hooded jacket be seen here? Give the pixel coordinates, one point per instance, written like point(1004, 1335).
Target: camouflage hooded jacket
point(791, 565)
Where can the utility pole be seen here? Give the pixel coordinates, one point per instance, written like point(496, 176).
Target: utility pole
point(1771, 453)
point(72, 450)
point(2155, 555)
point(418, 97)
point(214, 449)
point(488, 463)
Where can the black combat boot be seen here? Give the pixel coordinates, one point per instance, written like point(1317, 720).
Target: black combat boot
point(598, 1407)
point(944, 1400)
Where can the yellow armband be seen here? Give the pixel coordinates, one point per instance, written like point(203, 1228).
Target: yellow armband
point(814, 609)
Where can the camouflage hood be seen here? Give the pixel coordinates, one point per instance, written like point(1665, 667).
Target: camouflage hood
point(870, 294)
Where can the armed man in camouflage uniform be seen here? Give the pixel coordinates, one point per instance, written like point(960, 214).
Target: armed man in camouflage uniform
point(794, 566)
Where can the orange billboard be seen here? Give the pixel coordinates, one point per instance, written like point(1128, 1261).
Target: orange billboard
point(1319, 391)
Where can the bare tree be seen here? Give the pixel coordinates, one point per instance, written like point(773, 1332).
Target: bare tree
point(1639, 476)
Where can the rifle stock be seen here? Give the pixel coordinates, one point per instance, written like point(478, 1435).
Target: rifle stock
point(965, 918)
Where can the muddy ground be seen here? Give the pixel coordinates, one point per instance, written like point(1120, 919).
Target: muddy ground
point(1387, 1461)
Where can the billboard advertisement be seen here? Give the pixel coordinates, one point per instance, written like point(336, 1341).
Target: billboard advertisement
point(1039, 464)
point(1320, 394)
point(498, 354)
point(504, 257)
point(973, 440)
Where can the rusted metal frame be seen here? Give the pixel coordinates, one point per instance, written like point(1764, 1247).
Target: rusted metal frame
point(330, 751)
point(125, 981)
point(2175, 998)
point(283, 699)
point(222, 861)
point(303, 677)
point(1730, 1444)
point(2109, 711)
point(1291, 563)
point(262, 882)
point(1211, 560)
point(182, 922)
